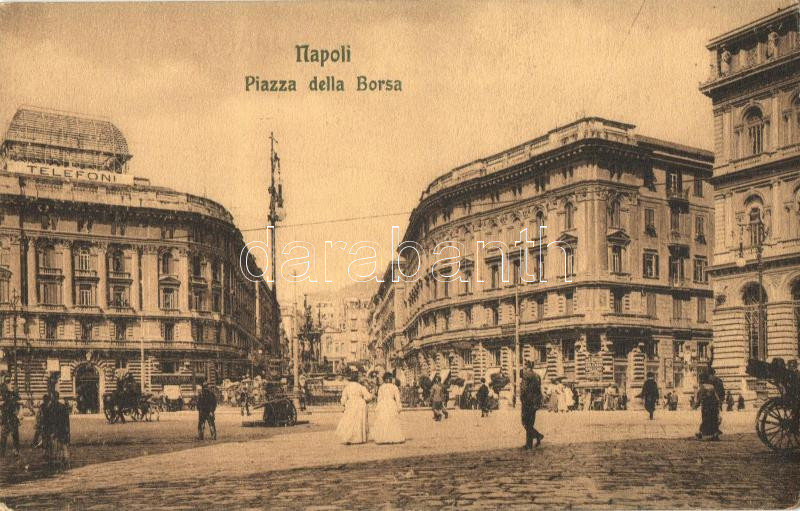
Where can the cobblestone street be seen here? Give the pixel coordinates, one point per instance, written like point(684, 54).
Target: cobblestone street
point(602, 459)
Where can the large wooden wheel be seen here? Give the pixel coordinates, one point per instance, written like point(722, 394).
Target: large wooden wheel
point(777, 426)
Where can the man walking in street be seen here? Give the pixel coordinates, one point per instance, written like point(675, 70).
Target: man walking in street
point(531, 398)
point(438, 400)
point(650, 394)
point(9, 417)
point(483, 398)
point(206, 407)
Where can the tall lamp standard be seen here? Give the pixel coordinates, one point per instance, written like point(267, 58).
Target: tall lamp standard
point(758, 233)
point(15, 310)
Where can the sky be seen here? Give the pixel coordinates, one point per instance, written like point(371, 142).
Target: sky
point(477, 78)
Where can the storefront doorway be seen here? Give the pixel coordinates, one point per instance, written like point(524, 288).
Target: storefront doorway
point(87, 389)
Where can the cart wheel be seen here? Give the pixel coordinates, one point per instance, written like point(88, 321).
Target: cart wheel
point(269, 414)
point(777, 426)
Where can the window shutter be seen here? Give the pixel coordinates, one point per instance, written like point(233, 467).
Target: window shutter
point(129, 332)
point(60, 329)
point(93, 262)
point(162, 330)
point(112, 330)
point(42, 332)
point(95, 331)
point(77, 329)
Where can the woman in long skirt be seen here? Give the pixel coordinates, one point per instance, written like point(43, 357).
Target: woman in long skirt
point(353, 427)
point(708, 400)
point(387, 414)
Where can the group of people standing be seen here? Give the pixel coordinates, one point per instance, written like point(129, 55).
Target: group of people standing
point(354, 428)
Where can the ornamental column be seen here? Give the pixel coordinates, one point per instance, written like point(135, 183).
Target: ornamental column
point(33, 269)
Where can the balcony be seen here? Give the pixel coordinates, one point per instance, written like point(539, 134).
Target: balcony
point(50, 272)
point(678, 196)
point(85, 274)
point(197, 280)
point(119, 275)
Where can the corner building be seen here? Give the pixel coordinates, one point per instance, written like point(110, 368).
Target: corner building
point(754, 86)
point(634, 215)
point(107, 272)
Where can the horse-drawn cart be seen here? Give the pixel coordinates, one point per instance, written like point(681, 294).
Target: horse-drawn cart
point(778, 419)
point(279, 410)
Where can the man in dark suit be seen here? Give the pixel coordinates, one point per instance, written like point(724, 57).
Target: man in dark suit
point(531, 399)
point(650, 394)
point(206, 406)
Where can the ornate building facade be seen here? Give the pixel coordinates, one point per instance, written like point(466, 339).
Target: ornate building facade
point(101, 271)
point(755, 91)
point(622, 291)
point(386, 318)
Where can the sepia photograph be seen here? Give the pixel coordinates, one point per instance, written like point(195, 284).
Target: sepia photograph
point(346, 255)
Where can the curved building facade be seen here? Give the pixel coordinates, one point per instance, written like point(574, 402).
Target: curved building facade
point(102, 272)
point(621, 286)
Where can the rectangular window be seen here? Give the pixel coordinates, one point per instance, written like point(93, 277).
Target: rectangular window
point(51, 329)
point(120, 330)
point(168, 366)
point(677, 307)
point(616, 259)
point(700, 265)
point(85, 298)
point(650, 221)
point(467, 282)
point(698, 186)
point(169, 330)
point(569, 304)
point(618, 298)
point(701, 309)
point(675, 219)
point(540, 308)
point(169, 299)
point(495, 271)
point(466, 357)
point(86, 331)
point(467, 316)
point(651, 305)
point(650, 265)
point(700, 228)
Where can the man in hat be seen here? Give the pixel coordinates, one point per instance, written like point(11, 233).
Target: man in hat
point(206, 407)
point(9, 416)
point(531, 398)
point(650, 394)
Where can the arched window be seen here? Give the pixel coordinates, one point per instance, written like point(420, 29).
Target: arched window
point(790, 130)
point(754, 124)
point(614, 213)
point(166, 263)
point(540, 222)
point(755, 319)
point(117, 261)
point(569, 216)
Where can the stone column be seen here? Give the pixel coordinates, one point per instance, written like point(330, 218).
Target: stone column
point(133, 299)
point(581, 355)
point(184, 278)
point(607, 355)
point(68, 282)
point(102, 284)
point(33, 269)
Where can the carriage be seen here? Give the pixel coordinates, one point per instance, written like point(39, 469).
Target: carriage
point(778, 419)
point(279, 410)
point(128, 400)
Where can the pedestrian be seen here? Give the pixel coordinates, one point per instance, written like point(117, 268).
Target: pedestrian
point(206, 408)
point(387, 413)
point(41, 414)
point(708, 399)
point(650, 394)
point(483, 398)
point(9, 417)
point(353, 428)
point(244, 401)
point(729, 401)
point(673, 401)
point(438, 403)
point(56, 430)
point(531, 398)
point(740, 403)
point(719, 388)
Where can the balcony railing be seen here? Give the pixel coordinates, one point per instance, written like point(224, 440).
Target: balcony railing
point(678, 195)
point(119, 275)
point(50, 272)
point(79, 273)
point(679, 282)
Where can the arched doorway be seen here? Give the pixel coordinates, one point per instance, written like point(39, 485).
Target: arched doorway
point(87, 389)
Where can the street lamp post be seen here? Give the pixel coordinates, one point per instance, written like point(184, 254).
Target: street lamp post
point(15, 312)
point(758, 233)
point(517, 379)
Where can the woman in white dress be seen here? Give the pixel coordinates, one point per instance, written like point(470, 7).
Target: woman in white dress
point(353, 427)
point(387, 414)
